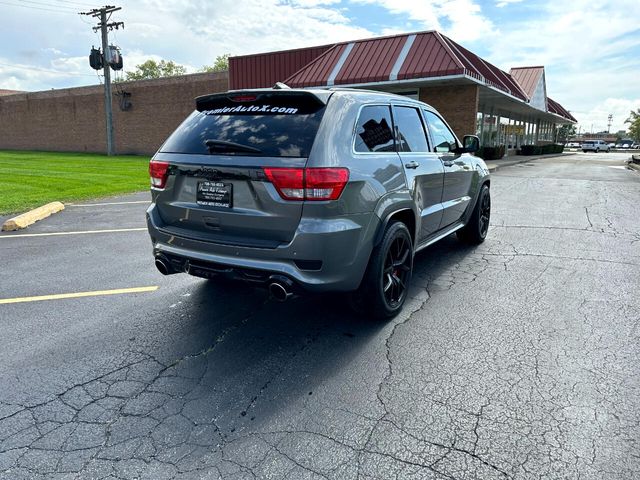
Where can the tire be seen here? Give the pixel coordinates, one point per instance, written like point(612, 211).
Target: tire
point(385, 285)
point(584, 151)
point(597, 150)
point(476, 229)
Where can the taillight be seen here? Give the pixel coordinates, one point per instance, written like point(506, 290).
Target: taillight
point(325, 183)
point(289, 182)
point(308, 183)
point(159, 171)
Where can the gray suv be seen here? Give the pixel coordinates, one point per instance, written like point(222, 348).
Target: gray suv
point(313, 190)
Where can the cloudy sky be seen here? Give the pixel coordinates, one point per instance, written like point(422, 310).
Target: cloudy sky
point(591, 50)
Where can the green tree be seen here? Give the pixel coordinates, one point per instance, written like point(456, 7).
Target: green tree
point(220, 65)
point(634, 125)
point(153, 69)
point(565, 132)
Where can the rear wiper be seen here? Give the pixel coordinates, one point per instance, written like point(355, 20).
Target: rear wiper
point(217, 145)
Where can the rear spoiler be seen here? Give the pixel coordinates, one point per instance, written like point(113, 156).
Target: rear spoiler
point(316, 99)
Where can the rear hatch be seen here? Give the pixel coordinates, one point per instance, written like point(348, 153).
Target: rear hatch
point(216, 187)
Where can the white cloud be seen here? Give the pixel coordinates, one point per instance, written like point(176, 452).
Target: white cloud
point(314, 3)
point(204, 30)
point(595, 119)
point(460, 19)
point(504, 3)
point(591, 54)
point(585, 51)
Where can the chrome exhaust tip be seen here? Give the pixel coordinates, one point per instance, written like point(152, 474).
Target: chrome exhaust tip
point(280, 288)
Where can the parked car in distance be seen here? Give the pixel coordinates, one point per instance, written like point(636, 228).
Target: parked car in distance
point(572, 145)
point(595, 146)
point(312, 191)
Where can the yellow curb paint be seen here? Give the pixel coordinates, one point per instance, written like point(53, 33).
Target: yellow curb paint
point(51, 234)
point(96, 293)
point(32, 216)
point(106, 203)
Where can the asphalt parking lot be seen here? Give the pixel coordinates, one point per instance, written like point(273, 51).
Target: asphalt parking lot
point(517, 359)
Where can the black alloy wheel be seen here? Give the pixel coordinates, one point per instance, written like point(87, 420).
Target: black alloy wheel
point(385, 284)
point(477, 227)
point(397, 271)
point(485, 215)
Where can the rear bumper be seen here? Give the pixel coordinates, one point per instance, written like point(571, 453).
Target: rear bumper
point(324, 254)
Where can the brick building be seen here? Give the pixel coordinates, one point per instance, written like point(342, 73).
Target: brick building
point(145, 112)
point(510, 109)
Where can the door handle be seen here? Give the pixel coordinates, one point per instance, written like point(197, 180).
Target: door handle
point(411, 164)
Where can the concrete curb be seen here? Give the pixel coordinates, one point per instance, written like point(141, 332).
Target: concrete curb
point(494, 165)
point(32, 216)
point(634, 166)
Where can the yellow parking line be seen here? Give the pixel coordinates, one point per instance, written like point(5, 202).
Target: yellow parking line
point(95, 293)
point(50, 234)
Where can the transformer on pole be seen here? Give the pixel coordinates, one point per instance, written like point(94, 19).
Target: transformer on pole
point(108, 58)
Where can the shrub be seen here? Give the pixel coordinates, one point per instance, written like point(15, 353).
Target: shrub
point(491, 153)
point(541, 149)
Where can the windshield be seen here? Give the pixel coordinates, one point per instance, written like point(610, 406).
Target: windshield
point(265, 125)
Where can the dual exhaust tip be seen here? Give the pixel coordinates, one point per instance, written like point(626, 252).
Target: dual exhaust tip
point(280, 287)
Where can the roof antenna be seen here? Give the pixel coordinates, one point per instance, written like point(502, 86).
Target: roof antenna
point(281, 86)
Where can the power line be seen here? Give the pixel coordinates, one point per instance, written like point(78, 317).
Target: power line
point(46, 4)
point(36, 8)
point(73, 3)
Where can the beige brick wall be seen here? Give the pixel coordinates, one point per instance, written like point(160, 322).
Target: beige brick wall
point(458, 104)
point(73, 119)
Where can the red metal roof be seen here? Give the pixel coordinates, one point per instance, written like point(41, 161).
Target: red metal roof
point(527, 78)
point(409, 56)
point(428, 57)
point(485, 71)
point(370, 60)
point(317, 72)
point(265, 69)
point(9, 92)
point(555, 107)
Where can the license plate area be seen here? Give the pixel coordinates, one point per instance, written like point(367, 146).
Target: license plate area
point(215, 194)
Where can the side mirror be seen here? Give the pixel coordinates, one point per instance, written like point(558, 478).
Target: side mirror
point(470, 144)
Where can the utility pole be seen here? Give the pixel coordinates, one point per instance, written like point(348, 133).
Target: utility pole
point(104, 28)
point(609, 122)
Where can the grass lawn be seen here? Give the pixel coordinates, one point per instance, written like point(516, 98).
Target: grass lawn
point(31, 179)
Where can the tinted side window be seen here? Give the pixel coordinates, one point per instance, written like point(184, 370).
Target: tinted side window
point(443, 138)
point(373, 130)
point(411, 134)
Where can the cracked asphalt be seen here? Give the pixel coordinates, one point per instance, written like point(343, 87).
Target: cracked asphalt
point(517, 359)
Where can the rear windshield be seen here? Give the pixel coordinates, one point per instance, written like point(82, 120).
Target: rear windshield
point(273, 125)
